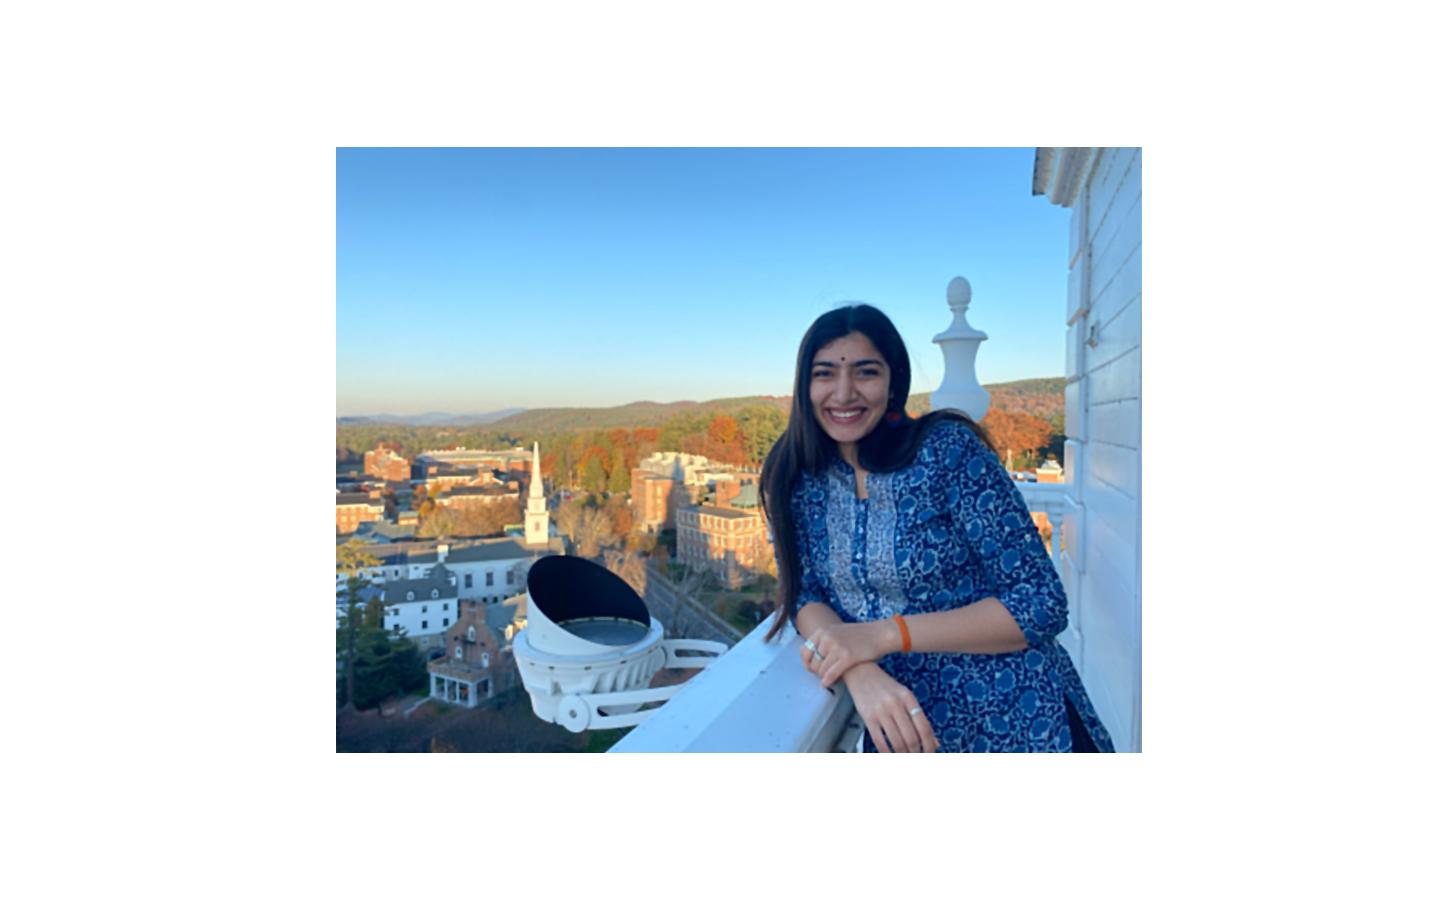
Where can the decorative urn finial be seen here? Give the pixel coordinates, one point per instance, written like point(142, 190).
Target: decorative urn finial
point(960, 389)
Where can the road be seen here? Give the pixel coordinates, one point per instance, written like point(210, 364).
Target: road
point(684, 616)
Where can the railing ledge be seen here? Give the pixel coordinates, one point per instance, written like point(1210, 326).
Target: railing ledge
point(756, 697)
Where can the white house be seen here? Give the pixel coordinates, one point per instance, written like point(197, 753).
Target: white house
point(424, 608)
point(490, 570)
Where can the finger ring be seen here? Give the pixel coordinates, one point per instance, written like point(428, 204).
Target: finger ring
point(915, 711)
point(818, 656)
point(810, 645)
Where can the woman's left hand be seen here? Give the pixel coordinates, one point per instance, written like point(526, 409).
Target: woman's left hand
point(841, 646)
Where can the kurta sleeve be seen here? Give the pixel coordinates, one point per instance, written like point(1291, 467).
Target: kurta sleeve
point(810, 588)
point(997, 526)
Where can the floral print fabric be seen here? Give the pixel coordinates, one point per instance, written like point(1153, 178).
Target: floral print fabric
point(944, 532)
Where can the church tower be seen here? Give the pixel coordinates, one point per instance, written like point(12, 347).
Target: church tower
point(537, 517)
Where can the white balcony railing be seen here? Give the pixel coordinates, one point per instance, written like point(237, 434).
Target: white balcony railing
point(756, 697)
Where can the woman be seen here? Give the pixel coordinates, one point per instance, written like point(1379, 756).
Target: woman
point(909, 562)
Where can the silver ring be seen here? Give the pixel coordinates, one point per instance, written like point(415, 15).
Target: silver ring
point(915, 711)
point(818, 656)
point(810, 645)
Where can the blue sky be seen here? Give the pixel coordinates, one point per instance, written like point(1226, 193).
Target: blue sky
point(473, 280)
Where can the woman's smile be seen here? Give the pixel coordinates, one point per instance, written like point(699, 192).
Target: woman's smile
point(849, 389)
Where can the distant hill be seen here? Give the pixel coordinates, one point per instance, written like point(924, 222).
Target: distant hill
point(632, 415)
point(431, 418)
point(1040, 397)
point(1043, 398)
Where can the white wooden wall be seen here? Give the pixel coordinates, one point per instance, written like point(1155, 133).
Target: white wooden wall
point(1100, 562)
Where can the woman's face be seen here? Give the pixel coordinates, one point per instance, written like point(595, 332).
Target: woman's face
point(849, 389)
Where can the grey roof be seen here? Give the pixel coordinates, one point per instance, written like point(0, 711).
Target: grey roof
point(437, 579)
point(749, 496)
point(498, 616)
point(482, 490)
point(354, 499)
point(422, 552)
point(490, 551)
point(384, 531)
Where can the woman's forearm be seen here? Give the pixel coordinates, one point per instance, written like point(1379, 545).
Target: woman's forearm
point(984, 626)
point(812, 616)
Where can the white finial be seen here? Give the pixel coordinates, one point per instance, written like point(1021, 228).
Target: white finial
point(958, 294)
point(960, 389)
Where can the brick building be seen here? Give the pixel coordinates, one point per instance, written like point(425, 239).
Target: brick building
point(387, 465)
point(733, 543)
point(474, 497)
point(477, 665)
point(352, 509)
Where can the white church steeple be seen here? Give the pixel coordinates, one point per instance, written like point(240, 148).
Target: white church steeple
point(537, 517)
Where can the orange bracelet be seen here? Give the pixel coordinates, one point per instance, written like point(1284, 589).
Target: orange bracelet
point(904, 634)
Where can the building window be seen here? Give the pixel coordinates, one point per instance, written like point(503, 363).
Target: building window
point(484, 660)
point(459, 652)
point(470, 633)
point(444, 607)
point(424, 624)
point(424, 609)
point(510, 576)
point(469, 580)
point(489, 579)
point(396, 626)
point(445, 623)
point(434, 593)
point(409, 595)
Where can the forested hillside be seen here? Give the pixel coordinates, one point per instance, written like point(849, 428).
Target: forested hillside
point(596, 448)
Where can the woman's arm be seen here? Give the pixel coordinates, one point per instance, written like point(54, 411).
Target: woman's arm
point(883, 703)
point(984, 626)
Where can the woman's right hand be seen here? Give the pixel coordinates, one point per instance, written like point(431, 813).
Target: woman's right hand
point(885, 705)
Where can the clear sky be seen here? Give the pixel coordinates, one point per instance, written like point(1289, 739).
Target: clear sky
point(475, 280)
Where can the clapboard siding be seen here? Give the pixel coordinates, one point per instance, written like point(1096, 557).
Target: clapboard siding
point(1116, 423)
point(1116, 466)
point(1115, 332)
point(1107, 259)
point(1116, 380)
point(1075, 292)
point(1111, 648)
point(1075, 409)
point(1102, 410)
point(1113, 511)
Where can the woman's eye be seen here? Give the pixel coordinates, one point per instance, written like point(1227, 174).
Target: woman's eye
point(823, 373)
point(869, 373)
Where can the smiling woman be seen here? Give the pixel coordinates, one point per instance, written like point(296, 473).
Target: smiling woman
point(909, 562)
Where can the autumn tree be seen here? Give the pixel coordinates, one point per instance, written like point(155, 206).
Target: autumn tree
point(592, 531)
point(1018, 432)
point(622, 519)
point(441, 522)
point(593, 474)
point(619, 481)
point(629, 565)
point(567, 517)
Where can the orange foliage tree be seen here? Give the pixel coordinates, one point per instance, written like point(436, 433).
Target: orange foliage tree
point(1018, 432)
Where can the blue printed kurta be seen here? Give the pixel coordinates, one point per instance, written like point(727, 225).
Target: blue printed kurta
point(947, 530)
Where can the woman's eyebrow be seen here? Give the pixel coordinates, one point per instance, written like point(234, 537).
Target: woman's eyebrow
point(858, 362)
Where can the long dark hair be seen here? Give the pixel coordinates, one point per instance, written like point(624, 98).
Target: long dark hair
point(805, 447)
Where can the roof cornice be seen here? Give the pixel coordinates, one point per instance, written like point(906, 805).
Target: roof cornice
point(1060, 172)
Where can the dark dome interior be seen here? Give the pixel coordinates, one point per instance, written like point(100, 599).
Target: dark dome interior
point(568, 587)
